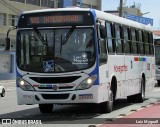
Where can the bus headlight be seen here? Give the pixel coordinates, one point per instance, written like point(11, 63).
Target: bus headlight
point(25, 85)
point(87, 83)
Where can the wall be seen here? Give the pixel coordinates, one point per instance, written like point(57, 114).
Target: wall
point(7, 65)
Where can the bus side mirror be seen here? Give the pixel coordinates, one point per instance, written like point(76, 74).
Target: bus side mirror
point(8, 42)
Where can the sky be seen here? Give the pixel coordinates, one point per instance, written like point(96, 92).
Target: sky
point(151, 6)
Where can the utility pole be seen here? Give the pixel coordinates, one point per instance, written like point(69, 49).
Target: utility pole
point(120, 8)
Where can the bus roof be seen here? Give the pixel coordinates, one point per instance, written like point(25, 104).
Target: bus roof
point(99, 14)
point(120, 20)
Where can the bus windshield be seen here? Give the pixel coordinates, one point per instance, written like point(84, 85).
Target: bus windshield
point(55, 50)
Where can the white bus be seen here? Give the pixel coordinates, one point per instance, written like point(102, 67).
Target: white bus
point(82, 56)
point(157, 57)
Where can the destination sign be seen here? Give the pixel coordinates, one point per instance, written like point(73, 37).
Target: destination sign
point(56, 19)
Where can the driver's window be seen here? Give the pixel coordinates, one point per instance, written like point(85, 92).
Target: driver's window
point(102, 45)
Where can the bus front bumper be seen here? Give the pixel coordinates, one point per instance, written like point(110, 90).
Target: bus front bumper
point(95, 94)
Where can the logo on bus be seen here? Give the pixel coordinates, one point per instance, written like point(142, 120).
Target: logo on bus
point(80, 59)
point(120, 68)
point(54, 87)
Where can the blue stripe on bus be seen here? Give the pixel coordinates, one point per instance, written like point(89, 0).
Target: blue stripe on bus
point(144, 59)
point(96, 70)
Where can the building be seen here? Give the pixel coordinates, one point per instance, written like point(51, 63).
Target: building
point(96, 4)
point(11, 9)
point(133, 13)
point(133, 10)
point(156, 32)
point(9, 13)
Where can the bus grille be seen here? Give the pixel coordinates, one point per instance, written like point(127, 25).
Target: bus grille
point(68, 79)
point(55, 96)
point(50, 88)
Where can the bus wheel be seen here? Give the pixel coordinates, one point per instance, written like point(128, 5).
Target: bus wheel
point(158, 82)
point(106, 107)
point(141, 96)
point(46, 108)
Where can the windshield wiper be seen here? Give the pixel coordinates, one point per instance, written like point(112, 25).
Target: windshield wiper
point(42, 39)
point(65, 39)
point(44, 42)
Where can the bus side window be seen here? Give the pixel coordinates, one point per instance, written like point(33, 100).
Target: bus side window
point(141, 50)
point(109, 38)
point(127, 46)
point(147, 43)
point(151, 52)
point(118, 39)
point(133, 37)
point(137, 41)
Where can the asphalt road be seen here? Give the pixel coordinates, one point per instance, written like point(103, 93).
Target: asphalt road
point(70, 115)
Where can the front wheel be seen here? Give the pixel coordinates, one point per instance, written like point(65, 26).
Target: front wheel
point(46, 108)
point(107, 106)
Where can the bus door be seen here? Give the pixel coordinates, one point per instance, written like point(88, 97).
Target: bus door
point(102, 52)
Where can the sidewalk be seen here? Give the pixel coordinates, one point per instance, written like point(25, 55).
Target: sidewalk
point(145, 117)
point(6, 81)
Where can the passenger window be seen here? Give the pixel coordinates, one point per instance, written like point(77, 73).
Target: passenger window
point(137, 41)
point(134, 46)
point(141, 50)
point(146, 43)
point(118, 39)
point(127, 47)
point(109, 38)
point(150, 44)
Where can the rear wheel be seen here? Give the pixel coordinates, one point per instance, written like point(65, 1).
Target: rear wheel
point(106, 107)
point(46, 108)
point(3, 93)
point(140, 96)
point(158, 82)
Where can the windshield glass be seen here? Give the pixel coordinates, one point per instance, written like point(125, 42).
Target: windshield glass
point(157, 54)
point(55, 50)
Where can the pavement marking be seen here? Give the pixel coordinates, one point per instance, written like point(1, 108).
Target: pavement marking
point(156, 90)
point(10, 89)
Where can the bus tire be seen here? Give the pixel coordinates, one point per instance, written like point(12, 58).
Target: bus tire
point(158, 82)
point(3, 93)
point(107, 106)
point(45, 108)
point(141, 96)
point(131, 99)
